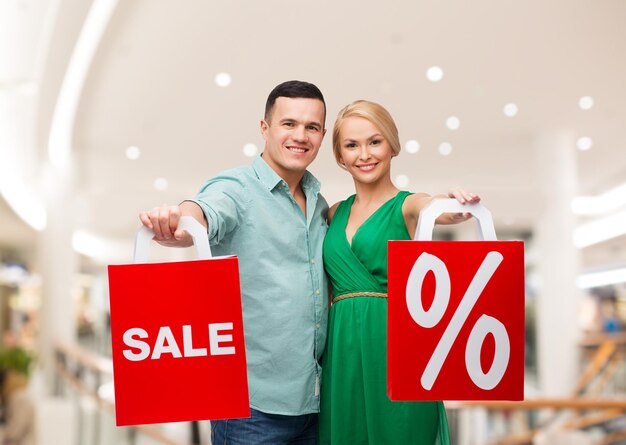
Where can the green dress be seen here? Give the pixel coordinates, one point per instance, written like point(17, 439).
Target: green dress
point(355, 408)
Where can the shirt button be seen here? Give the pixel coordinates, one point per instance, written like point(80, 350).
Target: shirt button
point(317, 292)
point(312, 261)
point(317, 326)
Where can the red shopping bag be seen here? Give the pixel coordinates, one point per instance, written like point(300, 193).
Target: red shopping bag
point(177, 337)
point(456, 314)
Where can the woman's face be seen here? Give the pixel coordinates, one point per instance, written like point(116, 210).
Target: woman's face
point(365, 153)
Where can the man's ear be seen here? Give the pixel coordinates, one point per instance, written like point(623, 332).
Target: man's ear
point(264, 127)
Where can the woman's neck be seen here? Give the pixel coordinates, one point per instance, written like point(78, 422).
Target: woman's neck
point(374, 193)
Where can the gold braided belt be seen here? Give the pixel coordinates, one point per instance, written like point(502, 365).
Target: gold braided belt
point(360, 294)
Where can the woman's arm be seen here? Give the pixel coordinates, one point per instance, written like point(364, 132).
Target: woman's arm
point(464, 198)
point(413, 204)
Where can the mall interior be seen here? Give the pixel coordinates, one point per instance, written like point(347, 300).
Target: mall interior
point(111, 107)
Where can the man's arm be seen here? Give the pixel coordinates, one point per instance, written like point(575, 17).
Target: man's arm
point(163, 221)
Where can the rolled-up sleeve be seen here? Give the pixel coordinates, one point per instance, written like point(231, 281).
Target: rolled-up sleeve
point(223, 200)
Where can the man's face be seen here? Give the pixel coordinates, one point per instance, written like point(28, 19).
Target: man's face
point(293, 134)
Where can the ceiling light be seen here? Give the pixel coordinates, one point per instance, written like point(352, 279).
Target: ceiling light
point(603, 203)
point(99, 248)
point(133, 153)
point(160, 184)
point(402, 181)
point(412, 146)
point(584, 143)
point(600, 230)
point(223, 80)
point(604, 278)
point(87, 244)
point(585, 102)
point(510, 110)
point(445, 148)
point(434, 74)
point(453, 123)
point(12, 274)
point(250, 150)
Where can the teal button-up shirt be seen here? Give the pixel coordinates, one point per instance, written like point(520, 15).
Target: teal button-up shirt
point(252, 214)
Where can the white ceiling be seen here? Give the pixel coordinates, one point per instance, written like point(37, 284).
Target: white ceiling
point(151, 84)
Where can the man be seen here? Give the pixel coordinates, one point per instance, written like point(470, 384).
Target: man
point(272, 216)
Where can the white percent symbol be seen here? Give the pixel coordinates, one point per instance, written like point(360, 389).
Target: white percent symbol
point(431, 317)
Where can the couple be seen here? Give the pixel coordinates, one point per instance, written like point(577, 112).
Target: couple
point(272, 216)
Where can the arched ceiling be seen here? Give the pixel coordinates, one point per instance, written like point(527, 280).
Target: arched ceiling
point(151, 85)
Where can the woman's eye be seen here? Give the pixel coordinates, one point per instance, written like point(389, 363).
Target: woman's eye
point(376, 141)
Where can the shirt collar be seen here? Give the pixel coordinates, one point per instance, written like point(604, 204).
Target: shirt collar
point(271, 180)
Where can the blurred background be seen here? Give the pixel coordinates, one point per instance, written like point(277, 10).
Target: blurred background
point(111, 107)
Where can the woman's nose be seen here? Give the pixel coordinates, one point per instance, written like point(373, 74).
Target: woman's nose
point(364, 153)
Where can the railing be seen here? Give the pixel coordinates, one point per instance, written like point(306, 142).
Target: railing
point(88, 374)
point(590, 405)
point(593, 403)
point(582, 413)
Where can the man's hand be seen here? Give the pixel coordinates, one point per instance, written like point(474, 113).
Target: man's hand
point(164, 220)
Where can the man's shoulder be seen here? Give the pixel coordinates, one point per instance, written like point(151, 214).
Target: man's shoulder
point(240, 171)
point(233, 177)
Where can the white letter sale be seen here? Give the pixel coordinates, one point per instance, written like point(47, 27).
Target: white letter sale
point(142, 346)
point(215, 339)
point(165, 343)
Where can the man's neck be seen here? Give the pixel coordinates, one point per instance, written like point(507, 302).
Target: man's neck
point(292, 178)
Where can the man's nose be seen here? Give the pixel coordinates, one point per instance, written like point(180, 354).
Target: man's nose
point(299, 133)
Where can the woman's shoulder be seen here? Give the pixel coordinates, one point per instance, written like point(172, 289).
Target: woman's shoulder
point(414, 202)
point(333, 209)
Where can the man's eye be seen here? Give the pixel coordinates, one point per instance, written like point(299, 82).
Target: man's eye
point(312, 128)
point(288, 124)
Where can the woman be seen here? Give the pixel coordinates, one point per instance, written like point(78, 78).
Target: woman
point(355, 408)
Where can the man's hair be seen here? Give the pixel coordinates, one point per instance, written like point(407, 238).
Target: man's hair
point(293, 89)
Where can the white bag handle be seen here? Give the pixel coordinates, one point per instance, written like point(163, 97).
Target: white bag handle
point(428, 215)
point(190, 224)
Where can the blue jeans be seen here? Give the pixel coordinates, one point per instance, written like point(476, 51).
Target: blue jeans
point(265, 429)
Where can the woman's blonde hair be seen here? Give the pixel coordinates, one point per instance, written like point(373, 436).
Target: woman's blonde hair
point(373, 112)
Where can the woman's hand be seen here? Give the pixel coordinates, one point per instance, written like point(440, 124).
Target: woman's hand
point(464, 198)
